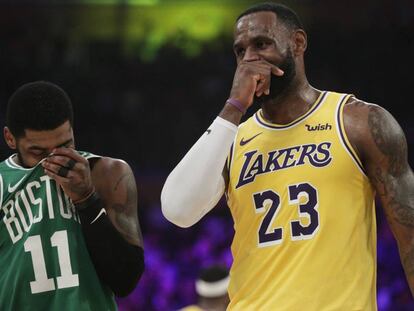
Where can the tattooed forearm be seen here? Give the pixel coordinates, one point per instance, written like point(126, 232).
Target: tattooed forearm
point(389, 139)
point(397, 196)
point(402, 213)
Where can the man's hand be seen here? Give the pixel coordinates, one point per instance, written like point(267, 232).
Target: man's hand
point(71, 171)
point(253, 78)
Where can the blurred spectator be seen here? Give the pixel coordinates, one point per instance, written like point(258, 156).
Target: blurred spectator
point(211, 287)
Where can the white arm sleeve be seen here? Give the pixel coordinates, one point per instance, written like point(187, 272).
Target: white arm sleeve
point(196, 184)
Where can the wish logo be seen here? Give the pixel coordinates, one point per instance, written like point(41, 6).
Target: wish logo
point(319, 127)
point(256, 163)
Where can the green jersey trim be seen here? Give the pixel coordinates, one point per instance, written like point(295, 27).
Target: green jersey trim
point(10, 163)
point(1, 190)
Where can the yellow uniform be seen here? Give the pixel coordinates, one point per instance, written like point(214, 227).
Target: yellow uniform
point(304, 216)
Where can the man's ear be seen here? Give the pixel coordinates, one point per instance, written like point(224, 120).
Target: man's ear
point(9, 138)
point(300, 42)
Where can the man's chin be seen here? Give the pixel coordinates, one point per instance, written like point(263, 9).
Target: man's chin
point(262, 99)
point(277, 90)
point(273, 96)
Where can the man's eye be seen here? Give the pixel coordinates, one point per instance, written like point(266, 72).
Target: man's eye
point(239, 52)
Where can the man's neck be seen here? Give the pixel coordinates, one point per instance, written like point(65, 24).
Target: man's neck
point(291, 104)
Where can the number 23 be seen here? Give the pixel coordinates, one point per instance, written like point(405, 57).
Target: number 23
point(308, 210)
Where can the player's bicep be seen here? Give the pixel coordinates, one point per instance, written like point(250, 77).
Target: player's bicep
point(392, 177)
point(387, 166)
point(121, 201)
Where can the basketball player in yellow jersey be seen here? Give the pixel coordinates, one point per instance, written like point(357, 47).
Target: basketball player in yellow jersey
point(300, 179)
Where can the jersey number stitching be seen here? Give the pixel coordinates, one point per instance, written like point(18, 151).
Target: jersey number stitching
point(299, 231)
point(42, 283)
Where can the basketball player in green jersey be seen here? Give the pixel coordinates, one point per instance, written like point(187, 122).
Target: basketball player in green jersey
point(300, 180)
point(69, 231)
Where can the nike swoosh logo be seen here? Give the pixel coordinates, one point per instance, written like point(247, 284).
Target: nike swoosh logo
point(243, 142)
point(103, 211)
point(12, 189)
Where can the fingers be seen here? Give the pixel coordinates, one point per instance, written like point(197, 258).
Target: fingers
point(70, 170)
point(71, 164)
point(264, 70)
point(64, 161)
point(52, 172)
point(61, 164)
point(253, 78)
point(262, 85)
point(265, 65)
point(63, 172)
point(276, 71)
point(69, 152)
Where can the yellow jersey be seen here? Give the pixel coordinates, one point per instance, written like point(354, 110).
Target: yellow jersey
point(304, 215)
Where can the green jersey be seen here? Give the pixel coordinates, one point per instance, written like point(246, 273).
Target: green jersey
point(44, 262)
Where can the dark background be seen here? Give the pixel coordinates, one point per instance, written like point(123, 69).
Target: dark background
point(147, 78)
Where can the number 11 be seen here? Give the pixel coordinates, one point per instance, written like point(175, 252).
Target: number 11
point(42, 283)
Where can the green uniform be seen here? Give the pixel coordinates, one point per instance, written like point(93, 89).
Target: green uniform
point(44, 262)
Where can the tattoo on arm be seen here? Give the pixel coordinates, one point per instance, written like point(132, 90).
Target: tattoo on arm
point(389, 139)
point(126, 175)
point(394, 181)
point(408, 262)
point(125, 216)
point(390, 173)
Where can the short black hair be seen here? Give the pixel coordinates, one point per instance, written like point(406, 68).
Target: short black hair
point(283, 13)
point(38, 105)
point(213, 273)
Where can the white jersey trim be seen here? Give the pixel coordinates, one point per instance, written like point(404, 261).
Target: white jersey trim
point(12, 164)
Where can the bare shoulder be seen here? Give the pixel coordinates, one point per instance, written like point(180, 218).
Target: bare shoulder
point(372, 130)
point(112, 175)
point(112, 165)
point(360, 116)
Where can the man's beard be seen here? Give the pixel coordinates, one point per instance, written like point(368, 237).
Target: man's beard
point(280, 84)
point(20, 158)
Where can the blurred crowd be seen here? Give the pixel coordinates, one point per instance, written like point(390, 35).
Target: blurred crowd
point(175, 256)
point(150, 113)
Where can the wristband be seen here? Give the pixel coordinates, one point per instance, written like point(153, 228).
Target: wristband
point(237, 104)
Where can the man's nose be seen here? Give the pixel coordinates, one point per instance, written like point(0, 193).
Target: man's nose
point(251, 55)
